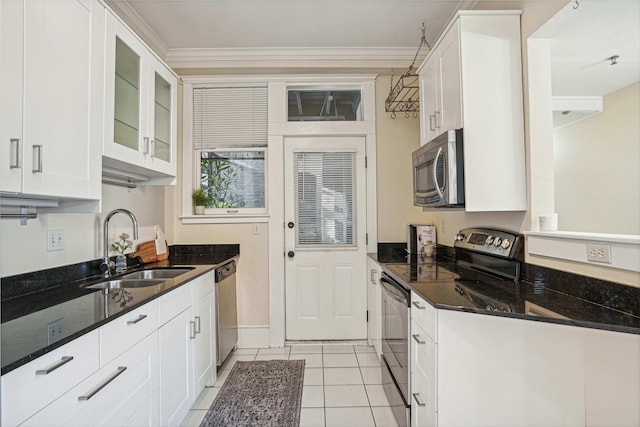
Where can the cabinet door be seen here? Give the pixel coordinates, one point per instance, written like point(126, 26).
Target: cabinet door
point(111, 396)
point(449, 115)
point(57, 97)
point(375, 271)
point(175, 355)
point(429, 95)
point(423, 378)
point(204, 355)
point(11, 81)
point(126, 63)
point(162, 118)
point(46, 98)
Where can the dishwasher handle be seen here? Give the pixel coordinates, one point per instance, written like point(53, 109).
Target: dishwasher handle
point(225, 270)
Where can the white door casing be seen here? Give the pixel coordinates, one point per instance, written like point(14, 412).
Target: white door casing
point(325, 238)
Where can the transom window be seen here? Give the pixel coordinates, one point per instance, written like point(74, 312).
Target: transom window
point(308, 105)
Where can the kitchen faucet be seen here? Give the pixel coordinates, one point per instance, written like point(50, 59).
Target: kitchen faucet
point(106, 263)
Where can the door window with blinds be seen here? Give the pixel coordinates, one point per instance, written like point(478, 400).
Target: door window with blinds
point(325, 211)
point(229, 140)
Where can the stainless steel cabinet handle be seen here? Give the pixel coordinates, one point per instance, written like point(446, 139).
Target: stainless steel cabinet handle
point(431, 119)
point(418, 399)
point(418, 339)
point(152, 148)
point(374, 277)
point(37, 159)
point(146, 145)
point(197, 324)
point(192, 327)
point(133, 322)
point(417, 305)
point(103, 384)
point(438, 121)
point(16, 154)
point(64, 360)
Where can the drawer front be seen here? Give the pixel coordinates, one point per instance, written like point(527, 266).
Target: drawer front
point(31, 387)
point(203, 285)
point(174, 303)
point(127, 330)
point(424, 314)
point(423, 376)
point(112, 395)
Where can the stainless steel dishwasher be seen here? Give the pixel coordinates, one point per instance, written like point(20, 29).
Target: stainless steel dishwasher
point(226, 310)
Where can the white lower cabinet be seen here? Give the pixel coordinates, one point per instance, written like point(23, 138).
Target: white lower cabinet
point(175, 360)
point(374, 308)
point(144, 368)
point(187, 346)
point(122, 391)
point(485, 370)
point(204, 356)
point(31, 387)
point(423, 378)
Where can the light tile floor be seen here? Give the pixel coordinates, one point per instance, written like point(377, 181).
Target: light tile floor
point(342, 385)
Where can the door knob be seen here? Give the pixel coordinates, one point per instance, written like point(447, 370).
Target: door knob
point(290, 224)
point(290, 254)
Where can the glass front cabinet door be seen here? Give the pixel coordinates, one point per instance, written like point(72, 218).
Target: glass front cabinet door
point(140, 107)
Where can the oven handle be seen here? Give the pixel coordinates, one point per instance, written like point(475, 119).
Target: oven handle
point(435, 173)
point(393, 292)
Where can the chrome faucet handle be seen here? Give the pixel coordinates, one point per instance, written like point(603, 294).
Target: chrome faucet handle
point(106, 267)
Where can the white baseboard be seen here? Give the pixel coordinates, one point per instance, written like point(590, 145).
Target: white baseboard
point(253, 336)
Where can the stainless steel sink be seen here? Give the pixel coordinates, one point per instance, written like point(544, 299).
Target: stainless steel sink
point(157, 273)
point(125, 283)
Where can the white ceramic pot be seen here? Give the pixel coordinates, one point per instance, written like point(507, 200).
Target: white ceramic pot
point(199, 210)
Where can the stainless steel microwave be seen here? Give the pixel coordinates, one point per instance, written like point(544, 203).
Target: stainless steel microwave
point(438, 172)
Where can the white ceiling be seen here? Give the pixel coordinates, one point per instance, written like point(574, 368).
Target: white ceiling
point(382, 31)
point(583, 38)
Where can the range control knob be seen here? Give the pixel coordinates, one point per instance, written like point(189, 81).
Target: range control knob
point(489, 240)
point(506, 243)
point(459, 237)
point(497, 242)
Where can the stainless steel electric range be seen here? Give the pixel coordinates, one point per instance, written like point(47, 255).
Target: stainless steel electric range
point(483, 276)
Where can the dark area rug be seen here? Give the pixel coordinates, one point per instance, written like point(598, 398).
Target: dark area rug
point(259, 393)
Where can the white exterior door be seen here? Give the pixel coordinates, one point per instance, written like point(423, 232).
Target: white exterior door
point(325, 232)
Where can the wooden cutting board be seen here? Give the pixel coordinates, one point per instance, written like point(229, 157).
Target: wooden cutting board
point(146, 251)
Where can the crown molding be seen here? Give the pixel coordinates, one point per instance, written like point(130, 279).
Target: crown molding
point(293, 54)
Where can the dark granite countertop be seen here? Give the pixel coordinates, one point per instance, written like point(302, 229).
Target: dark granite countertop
point(541, 299)
point(31, 301)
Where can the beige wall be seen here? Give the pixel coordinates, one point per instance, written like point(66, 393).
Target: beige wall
point(597, 170)
point(24, 248)
point(540, 174)
point(396, 139)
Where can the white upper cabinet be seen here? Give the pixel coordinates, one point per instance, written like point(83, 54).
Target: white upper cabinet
point(51, 64)
point(472, 79)
point(441, 87)
point(140, 108)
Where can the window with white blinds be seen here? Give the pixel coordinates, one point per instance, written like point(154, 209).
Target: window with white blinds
point(325, 188)
point(229, 116)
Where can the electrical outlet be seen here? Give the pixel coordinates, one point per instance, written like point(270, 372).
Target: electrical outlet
point(55, 240)
point(55, 330)
point(599, 253)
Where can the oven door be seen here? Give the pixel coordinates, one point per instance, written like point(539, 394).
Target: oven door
point(395, 333)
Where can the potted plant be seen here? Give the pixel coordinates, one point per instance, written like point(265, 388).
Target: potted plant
point(200, 200)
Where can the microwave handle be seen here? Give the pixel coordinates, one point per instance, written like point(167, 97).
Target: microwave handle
point(435, 173)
